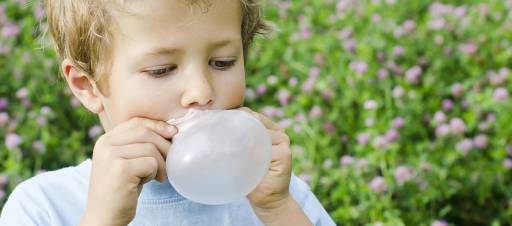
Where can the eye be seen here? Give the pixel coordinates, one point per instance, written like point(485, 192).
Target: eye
point(222, 64)
point(160, 72)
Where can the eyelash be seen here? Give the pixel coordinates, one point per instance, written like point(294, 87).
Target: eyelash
point(161, 72)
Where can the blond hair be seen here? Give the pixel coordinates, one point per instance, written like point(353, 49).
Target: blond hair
point(80, 30)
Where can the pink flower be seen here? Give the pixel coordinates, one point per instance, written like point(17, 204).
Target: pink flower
point(359, 67)
point(369, 122)
point(308, 85)
point(261, 89)
point(38, 12)
point(12, 140)
point(398, 92)
point(269, 111)
point(447, 104)
point(283, 96)
point(403, 174)
point(439, 117)
point(95, 131)
point(10, 30)
point(314, 72)
point(327, 94)
point(440, 223)
point(293, 82)
point(76, 103)
point(350, 45)
point(442, 130)
point(319, 58)
point(392, 135)
point(329, 127)
point(38, 146)
point(45, 110)
point(437, 24)
point(464, 146)
point(272, 80)
point(501, 95)
point(496, 78)
point(345, 33)
point(378, 185)
point(327, 163)
point(305, 32)
point(299, 117)
point(376, 18)
point(382, 74)
point(4, 179)
point(467, 48)
point(41, 121)
point(480, 141)
point(457, 126)
point(315, 112)
point(22, 93)
point(380, 142)
point(413, 74)
point(346, 160)
point(457, 90)
point(4, 118)
point(370, 104)
point(398, 51)
point(507, 163)
point(409, 25)
point(363, 138)
point(285, 123)
point(4, 103)
point(398, 123)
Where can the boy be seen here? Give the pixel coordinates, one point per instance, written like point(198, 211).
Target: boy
point(137, 64)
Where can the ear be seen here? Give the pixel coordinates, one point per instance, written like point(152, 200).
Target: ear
point(83, 87)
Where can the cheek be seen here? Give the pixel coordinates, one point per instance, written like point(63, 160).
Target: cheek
point(148, 102)
point(231, 92)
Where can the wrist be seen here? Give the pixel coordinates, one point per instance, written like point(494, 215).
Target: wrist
point(287, 212)
point(91, 219)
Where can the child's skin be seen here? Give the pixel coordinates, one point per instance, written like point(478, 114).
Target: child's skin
point(133, 106)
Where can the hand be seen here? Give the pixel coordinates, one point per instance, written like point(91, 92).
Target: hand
point(125, 158)
point(273, 191)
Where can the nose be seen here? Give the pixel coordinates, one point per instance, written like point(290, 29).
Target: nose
point(198, 92)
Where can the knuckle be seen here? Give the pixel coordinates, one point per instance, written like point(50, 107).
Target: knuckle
point(143, 132)
point(153, 163)
point(148, 146)
point(286, 139)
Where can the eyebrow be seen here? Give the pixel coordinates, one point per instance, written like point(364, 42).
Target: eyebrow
point(170, 51)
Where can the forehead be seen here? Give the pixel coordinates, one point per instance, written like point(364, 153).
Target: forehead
point(158, 20)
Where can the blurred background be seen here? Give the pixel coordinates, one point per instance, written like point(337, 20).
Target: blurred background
point(399, 111)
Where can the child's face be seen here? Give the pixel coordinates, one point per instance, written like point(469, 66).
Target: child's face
point(197, 59)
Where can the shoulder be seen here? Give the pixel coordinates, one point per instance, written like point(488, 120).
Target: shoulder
point(60, 182)
point(299, 190)
point(35, 200)
point(309, 203)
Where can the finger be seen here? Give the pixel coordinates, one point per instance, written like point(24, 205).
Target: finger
point(144, 168)
point(281, 159)
point(139, 150)
point(268, 123)
point(160, 127)
point(141, 135)
point(278, 137)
